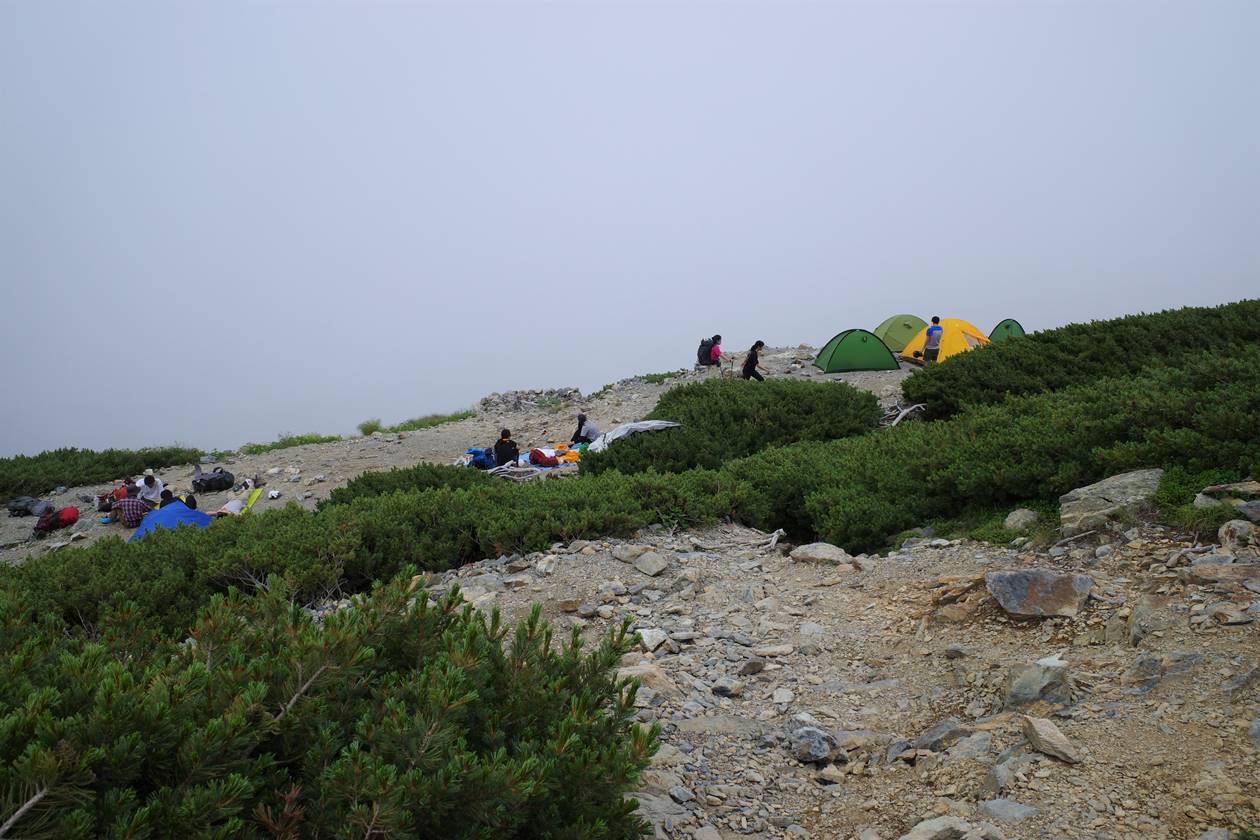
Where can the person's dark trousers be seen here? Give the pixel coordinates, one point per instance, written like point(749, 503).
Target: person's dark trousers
point(752, 374)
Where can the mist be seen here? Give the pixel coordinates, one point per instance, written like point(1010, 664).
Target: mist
point(220, 222)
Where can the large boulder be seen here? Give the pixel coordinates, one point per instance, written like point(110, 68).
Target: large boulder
point(1037, 593)
point(1238, 537)
point(820, 552)
point(952, 828)
point(1046, 679)
point(1091, 507)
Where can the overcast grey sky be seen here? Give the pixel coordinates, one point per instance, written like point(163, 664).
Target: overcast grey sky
point(224, 220)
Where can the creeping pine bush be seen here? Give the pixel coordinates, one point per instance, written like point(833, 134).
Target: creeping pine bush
point(1080, 353)
point(858, 492)
point(392, 718)
point(286, 441)
point(723, 419)
point(419, 477)
point(36, 474)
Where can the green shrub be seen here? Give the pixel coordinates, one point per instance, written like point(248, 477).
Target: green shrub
point(858, 492)
point(287, 440)
point(1080, 353)
point(661, 378)
point(725, 419)
point(367, 427)
point(428, 421)
point(390, 718)
point(419, 477)
point(34, 475)
point(1174, 500)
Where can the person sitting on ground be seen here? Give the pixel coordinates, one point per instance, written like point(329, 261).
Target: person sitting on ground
point(752, 362)
point(586, 431)
point(506, 451)
point(190, 501)
point(932, 345)
point(167, 498)
point(129, 511)
point(151, 488)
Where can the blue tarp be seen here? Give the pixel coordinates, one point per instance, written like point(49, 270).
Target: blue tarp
point(171, 516)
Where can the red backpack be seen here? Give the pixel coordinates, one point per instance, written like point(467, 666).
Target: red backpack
point(54, 519)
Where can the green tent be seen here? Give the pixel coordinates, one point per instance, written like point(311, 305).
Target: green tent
point(1010, 328)
point(896, 331)
point(855, 350)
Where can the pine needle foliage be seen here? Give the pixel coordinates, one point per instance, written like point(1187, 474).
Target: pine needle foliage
point(396, 717)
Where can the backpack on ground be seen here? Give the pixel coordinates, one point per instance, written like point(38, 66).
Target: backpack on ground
point(52, 519)
point(482, 459)
point(704, 353)
point(541, 459)
point(213, 482)
point(26, 506)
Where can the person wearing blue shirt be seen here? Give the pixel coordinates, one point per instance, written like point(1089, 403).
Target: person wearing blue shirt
point(932, 346)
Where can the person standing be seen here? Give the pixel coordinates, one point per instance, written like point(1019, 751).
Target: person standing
point(752, 362)
point(932, 345)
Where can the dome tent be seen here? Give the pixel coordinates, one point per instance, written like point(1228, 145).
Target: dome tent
point(1009, 328)
point(855, 350)
point(958, 337)
point(898, 330)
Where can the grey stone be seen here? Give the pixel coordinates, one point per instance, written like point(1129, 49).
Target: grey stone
point(1253, 731)
point(628, 553)
point(973, 746)
point(952, 828)
point(728, 687)
point(752, 666)
point(651, 638)
point(1091, 507)
point(1006, 810)
point(1237, 535)
point(1251, 510)
point(1036, 593)
point(1149, 615)
point(1021, 519)
point(942, 736)
point(1046, 679)
point(820, 553)
point(1046, 738)
point(1238, 684)
point(811, 745)
point(651, 564)
point(680, 794)
point(1216, 834)
point(706, 832)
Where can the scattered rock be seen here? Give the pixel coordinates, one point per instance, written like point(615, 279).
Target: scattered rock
point(774, 650)
point(652, 676)
point(1091, 507)
point(1046, 679)
point(1021, 519)
point(728, 687)
point(952, 828)
point(1046, 738)
point(942, 735)
point(1036, 593)
point(1006, 810)
point(811, 745)
point(820, 553)
point(1238, 536)
point(651, 564)
point(651, 638)
point(1149, 615)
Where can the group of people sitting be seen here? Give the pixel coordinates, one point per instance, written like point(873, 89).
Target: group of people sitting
point(130, 501)
point(507, 453)
point(710, 355)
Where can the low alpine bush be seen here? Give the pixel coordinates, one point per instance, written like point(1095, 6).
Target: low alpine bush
point(1081, 353)
point(724, 419)
point(34, 475)
point(395, 717)
point(419, 477)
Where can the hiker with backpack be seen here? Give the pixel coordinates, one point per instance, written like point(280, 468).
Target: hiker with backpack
point(752, 362)
point(709, 353)
point(586, 431)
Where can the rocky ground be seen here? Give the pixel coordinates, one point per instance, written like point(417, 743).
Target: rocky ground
point(306, 474)
point(810, 694)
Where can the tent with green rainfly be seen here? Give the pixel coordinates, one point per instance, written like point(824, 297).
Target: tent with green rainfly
point(898, 330)
point(855, 350)
point(1010, 328)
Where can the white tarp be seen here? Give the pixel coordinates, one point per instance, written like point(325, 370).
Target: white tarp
point(601, 442)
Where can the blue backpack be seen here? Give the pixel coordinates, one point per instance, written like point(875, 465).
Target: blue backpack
point(482, 459)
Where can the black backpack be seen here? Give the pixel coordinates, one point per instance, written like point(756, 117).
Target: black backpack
point(26, 506)
point(213, 482)
point(704, 354)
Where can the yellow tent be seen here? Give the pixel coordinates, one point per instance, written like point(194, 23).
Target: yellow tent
point(958, 337)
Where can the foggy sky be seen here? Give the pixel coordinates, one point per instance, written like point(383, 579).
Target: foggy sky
point(222, 221)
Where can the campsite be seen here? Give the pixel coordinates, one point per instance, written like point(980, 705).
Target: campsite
point(796, 687)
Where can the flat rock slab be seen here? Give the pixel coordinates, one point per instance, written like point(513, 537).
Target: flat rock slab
point(952, 828)
point(1037, 593)
point(820, 552)
point(651, 564)
point(1221, 573)
point(1090, 507)
point(1046, 738)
